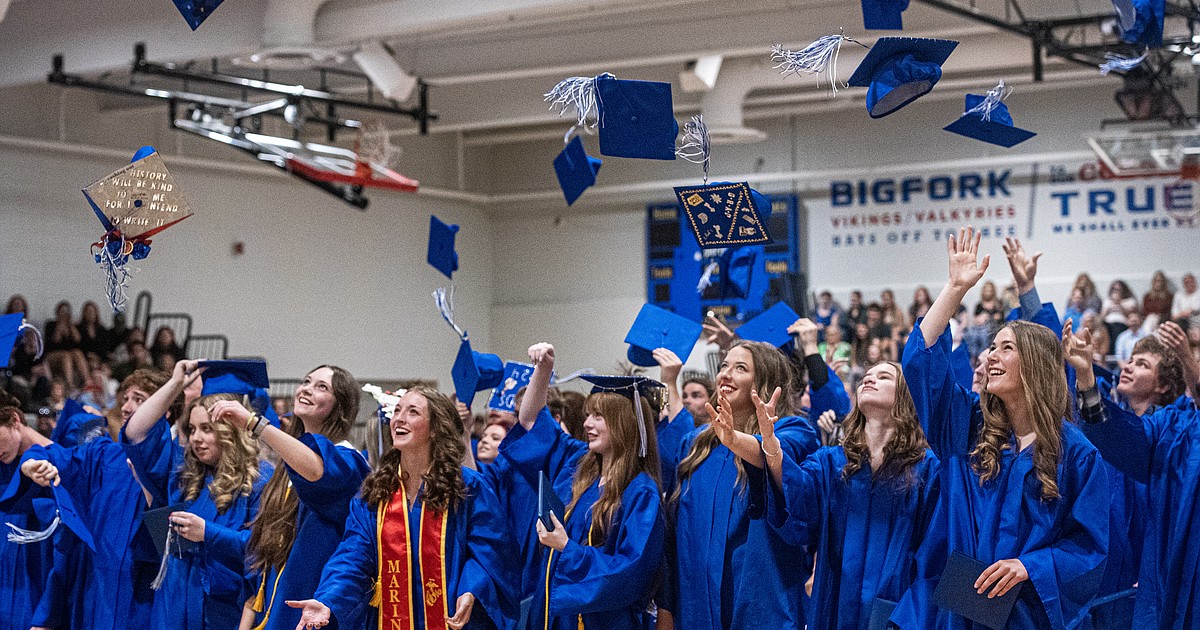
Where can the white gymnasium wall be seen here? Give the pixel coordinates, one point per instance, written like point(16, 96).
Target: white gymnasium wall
point(320, 281)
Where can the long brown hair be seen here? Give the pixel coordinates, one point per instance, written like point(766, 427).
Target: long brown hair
point(905, 450)
point(236, 470)
point(771, 369)
point(1044, 386)
point(274, 528)
point(444, 486)
point(622, 423)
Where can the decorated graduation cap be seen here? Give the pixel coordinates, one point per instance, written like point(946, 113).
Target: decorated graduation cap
point(196, 11)
point(133, 204)
point(636, 119)
point(986, 118)
point(575, 169)
point(241, 378)
point(631, 387)
point(883, 14)
point(76, 425)
point(770, 326)
point(656, 327)
point(516, 376)
point(725, 214)
point(441, 253)
point(12, 326)
point(57, 509)
point(899, 70)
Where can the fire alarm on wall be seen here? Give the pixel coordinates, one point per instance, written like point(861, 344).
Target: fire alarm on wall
point(239, 248)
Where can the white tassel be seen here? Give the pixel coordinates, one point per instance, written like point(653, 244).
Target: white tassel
point(116, 276)
point(695, 147)
point(573, 375)
point(162, 566)
point(1121, 63)
point(578, 93)
point(25, 325)
point(819, 56)
point(26, 536)
point(445, 305)
point(991, 101)
point(641, 418)
point(706, 278)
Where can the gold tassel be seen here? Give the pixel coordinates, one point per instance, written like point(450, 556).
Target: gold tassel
point(377, 596)
point(257, 606)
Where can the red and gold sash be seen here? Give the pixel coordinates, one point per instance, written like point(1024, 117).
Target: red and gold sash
point(393, 592)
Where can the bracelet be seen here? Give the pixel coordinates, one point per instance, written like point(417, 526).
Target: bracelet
point(763, 447)
point(260, 424)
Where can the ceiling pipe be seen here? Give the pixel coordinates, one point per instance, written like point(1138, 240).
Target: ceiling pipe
point(289, 37)
point(722, 106)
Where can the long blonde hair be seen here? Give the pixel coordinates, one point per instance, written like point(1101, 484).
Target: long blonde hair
point(621, 420)
point(771, 369)
point(236, 470)
point(1044, 386)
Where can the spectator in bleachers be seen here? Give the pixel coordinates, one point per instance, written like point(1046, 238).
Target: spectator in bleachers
point(854, 314)
point(1156, 304)
point(1186, 305)
point(834, 350)
point(165, 345)
point(920, 305)
point(62, 345)
point(1091, 299)
point(93, 336)
point(1116, 308)
point(1136, 330)
point(58, 395)
point(139, 357)
point(121, 354)
point(990, 307)
point(892, 315)
point(827, 313)
point(1076, 308)
point(28, 376)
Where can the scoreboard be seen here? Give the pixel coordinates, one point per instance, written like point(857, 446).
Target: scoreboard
point(675, 262)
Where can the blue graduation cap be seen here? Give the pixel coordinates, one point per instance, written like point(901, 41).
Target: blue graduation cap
point(725, 214)
point(636, 118)
point(196, 11)
point(656, 327)
point(1147, 24)
point(474, 372)
point(737, 271)
point(576, 170)
point(770, 326)
point(986, 118)
point(12, 326)
point(631, 387)
point(899, 70)
point(240, 378)
point(1126, 14)
point(441, 247)
point(516, 376)
point(880, 15)
point(76, 426)
point(57, 509)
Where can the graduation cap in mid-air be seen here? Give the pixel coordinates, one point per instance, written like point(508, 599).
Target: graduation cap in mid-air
point(770, 326)
point(575, 169)
point(196, 11)
point(724, 214)
point(1146, 27)
point(656, 327)
point(899, 70)
point(12, 326)
point(635, 119)
point(241, 378)
point(474, 372)
point(986, 118)
point(441, 254)
point(881, 15)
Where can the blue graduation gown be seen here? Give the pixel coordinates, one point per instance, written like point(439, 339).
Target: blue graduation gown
point(728, 569)
point(25, 569)
point(202, 589)
point(320, 524)
point(1062, 543)
point(605, 587)
point(671, 433)
point(831, 395)
point(480, 559)
point(109, 588)
point(1162, 449)
point(865, 533)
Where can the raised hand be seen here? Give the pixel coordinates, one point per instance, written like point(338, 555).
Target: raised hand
point(806, 330)
point(1172, 336)
point(718, 333)
point(1077, 352)
point(669, 365)
point(41, 472)
point(314, 614)
point(1023, 266)
point(827, 422)
point(542, 352)
point(230, 411)
point(766, 412)
point(965, 269)
point(721, 420)
point(462, 611)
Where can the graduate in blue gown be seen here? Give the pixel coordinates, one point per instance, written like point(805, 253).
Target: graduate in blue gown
point(391, 562)
point(1019, 484)
point(1157, 449)
point(728, 569)
point(218, 479)
point(862, 507)
point(677, 422)
point(109, 588)
point(303, 509)
point(600, 563)
point(24, 569)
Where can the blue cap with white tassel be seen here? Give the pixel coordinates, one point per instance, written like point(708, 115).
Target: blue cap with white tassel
point(883, 14)
point(635, 119)
point(899, 70)
point(986, 118)
point(575, 169)
point(441, 254)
